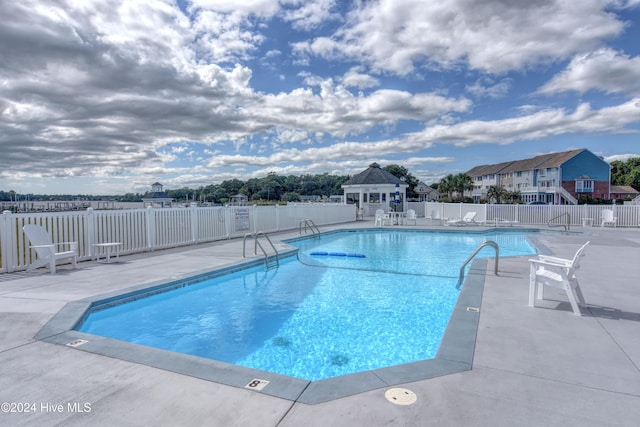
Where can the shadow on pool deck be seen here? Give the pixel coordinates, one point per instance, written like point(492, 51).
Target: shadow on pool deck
point(530, 366)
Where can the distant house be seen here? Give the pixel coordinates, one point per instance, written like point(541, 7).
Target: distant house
point(555, 178)
point(375, 188)
point(156, 197)
point(426, 193)
point(623, 192)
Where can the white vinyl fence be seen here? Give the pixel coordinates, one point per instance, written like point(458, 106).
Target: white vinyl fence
point(141, 230)
point(627, 215)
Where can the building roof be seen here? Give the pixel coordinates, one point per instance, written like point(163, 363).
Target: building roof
point(427, 189)
point(373, 175)
point(626, 189)
point(489, 169)
point(550, 160)
point(156, 195)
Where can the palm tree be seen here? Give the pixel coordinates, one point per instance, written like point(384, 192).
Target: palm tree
point(447, 185)
point(495, 192)
point(455, 184)
point(463, 182)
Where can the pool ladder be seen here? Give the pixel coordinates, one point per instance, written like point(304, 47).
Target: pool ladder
point(566, 226)
point(491, 243)
point(308, 224)
point(270, 261)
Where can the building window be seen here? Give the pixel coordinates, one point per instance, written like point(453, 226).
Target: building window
point(584, 186)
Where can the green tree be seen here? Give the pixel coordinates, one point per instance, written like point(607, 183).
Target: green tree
point(462, 183)
point(292, 197)
point(447, 186)
point(455, 184)
point(406, 176)
point(626, 173)
point(495, 192)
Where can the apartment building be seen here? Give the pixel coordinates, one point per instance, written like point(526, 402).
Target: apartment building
point(555, 178)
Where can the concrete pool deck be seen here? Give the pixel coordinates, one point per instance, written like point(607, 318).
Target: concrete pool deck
point(541, 366)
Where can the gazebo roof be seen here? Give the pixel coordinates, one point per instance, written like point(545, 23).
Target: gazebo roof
point(374, 175)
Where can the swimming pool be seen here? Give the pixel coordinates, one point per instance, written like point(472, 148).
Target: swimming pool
point(325, 316)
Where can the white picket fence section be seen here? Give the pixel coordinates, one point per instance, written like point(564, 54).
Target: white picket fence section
point(539, 215)
point(143, 230)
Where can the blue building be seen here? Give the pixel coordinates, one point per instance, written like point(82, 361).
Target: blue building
point(555, 178)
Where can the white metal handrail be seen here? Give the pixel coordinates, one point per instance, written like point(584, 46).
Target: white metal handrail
point(566, 226)
point(308, 224)
point(257, 244)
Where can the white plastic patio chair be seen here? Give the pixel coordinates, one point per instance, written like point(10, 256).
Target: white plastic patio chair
point(411, 216)
point(382, 218)
point(47, 251)
point(558, 273)
point(608, 218)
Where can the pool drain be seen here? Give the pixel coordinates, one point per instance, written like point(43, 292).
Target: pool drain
point(339, 360)
point(281, 342)
point(76, 343)
point(400, 396)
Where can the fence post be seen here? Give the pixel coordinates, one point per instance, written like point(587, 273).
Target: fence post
point(228, 215)
point(194, 225)
point(8, 242)
point(254, 214)
point(91, 231)
point(151, 228)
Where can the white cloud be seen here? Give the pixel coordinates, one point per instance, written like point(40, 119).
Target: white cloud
point(490, 35)
point(356, 78)
point(306, 15)
point(487, 87)
point(112, 88)
point(620, 157)
point(603, 70)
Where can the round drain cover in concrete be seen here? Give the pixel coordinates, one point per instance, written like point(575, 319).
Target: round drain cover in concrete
point(400, 396)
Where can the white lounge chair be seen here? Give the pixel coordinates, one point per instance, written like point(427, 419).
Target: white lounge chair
point(47, 251)
point(608, 218)
point(411, 216)
point(468, 219)
point(557, 273)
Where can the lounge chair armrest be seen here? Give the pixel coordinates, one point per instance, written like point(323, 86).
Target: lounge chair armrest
point(72, 245)
point(549, 263)
point(51, 245)
point(554, 259)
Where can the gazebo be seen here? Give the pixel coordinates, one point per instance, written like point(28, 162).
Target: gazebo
point(156, 197)
point(375, 188)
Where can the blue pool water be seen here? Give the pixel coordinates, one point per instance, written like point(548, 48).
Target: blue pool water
point(318, 316)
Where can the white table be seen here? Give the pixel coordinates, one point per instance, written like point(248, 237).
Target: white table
point(108, 247)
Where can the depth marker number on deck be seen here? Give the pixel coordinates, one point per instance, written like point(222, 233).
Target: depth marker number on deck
point(257, 384)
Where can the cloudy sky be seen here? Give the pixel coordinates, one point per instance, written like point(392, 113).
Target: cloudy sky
point(109, 96)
